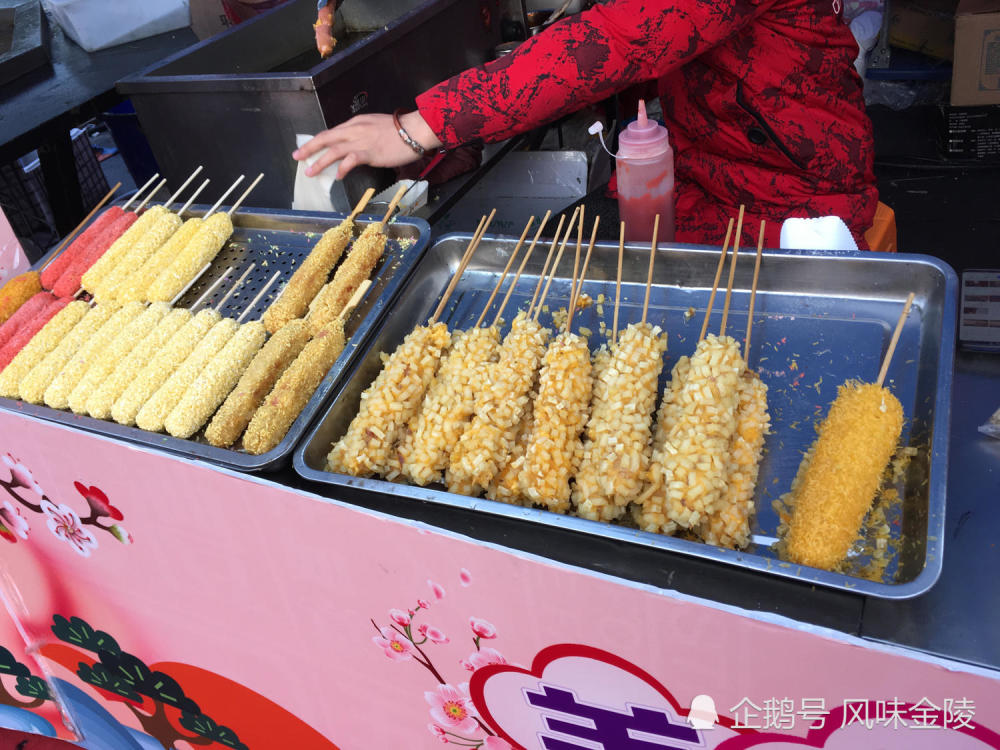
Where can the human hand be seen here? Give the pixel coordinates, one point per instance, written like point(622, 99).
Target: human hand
point(367, 139)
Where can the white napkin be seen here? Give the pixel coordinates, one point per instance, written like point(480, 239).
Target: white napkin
point(824, 233)
point(324, 192)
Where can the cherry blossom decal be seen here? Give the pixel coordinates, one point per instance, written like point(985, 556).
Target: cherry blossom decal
point(407, 638)
point(62, 520)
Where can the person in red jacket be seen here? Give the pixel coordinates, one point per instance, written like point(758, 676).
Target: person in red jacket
point(761, 99)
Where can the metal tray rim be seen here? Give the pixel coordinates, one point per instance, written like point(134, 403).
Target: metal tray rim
point(920, 584)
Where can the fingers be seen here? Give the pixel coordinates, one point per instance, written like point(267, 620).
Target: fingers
point(328, 157)
point(348, 163)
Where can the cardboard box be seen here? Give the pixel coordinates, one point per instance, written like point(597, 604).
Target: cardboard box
point(208, 18)
point(975, 76)
point(971, 132)
point(925, 26)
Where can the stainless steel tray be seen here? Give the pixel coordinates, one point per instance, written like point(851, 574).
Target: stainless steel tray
point(820, 319)
point(274, 241)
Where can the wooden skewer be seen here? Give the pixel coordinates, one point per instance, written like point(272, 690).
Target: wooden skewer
point(191, 283)
point(149, 197)
point(355, 299)
point(753, 290)
point(395, 202)
point(524, 262)
point(555, 264)
point(461, 267)
point(191, 200)
point(369, 193)
point(237, 285)
point(895, 340)
point(715, 284)
point(583, 274)
point(506, 270)
point(138, 192)
point(225, 195)
point(618, 280)
point(236, 205)
point(545, 266)
point(649, 273)
point(576, 269)
point(182, 188)
point(80, 226)
point(253, 303)
point(212, 288)
point(732, 272)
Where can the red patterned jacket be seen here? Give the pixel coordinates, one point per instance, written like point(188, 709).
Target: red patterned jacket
point(760, 97)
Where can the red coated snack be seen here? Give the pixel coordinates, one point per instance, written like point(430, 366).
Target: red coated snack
point(78, 247)
point(25, 312)
point(28, 329)
point(69, 282)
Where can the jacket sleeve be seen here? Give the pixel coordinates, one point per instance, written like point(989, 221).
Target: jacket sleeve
point(578, 61)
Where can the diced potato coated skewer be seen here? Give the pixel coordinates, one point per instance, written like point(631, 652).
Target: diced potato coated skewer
point(163, 364)
point(389, 403)
point(294, 389)
point(267, 366)
point(834, 490)
point(35, 351)
point(309, 278)
point(589, 497)
point(218, 378)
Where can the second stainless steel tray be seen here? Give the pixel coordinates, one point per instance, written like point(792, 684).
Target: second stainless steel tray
point(272, 241)
point(821, 319)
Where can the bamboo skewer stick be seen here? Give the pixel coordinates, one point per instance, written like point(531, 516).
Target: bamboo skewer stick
point(182, 188)
point(895, 339)
point(545, 266)
point(193, 281)
point(369, 193)
point(355, 300)
point(473, 244)
point(715, 284)
point(506, 270)
point(137, 193)
point(395, 202)
point(246, 193)
point(234, 287)
point(618, 281)
point(649, 273)
point(225, 195)
point(583, 274)
point(555, 265)
point(191, 200)
point(753, 290)
point(264, 290)
point(198, 302)
point(524, 262)
point(732, 272)
point(149, 197)
point(76, 231)
point(576, 269)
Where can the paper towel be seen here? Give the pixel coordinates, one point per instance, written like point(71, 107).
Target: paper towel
point(824, 233)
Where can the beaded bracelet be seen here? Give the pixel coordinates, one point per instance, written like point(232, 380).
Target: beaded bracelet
point(407, 138)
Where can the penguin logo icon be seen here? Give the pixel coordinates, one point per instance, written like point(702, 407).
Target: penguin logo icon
point(702, 714)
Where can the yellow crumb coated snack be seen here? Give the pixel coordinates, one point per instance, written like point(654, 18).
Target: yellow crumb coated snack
point(136, 286)
point(201, 249)
point(834, 490)
point(16, 292)
point(35, 351)
point(112, 285)
point(355, 269)
point(96, 274)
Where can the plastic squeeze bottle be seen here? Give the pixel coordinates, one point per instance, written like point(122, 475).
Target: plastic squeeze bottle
point(645, 167)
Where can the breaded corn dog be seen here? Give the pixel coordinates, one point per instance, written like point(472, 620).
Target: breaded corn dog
point(24, 314)
point(293, 390)
point(355, 269)
point(834, 490)
point(309, 278)
point(154, 412)
point(35, 383)
point(16, 292)
point(216, 380)
point(256, 382)
point(389, 403)
point(69, 281)
point(163, 364)
point(27, 330)
point(210, 238)
point(112, 285)
point(135, 287)
point(39, 346)
point(96, 274)
point(119, 347)
point(127, 370)
point(78, 247)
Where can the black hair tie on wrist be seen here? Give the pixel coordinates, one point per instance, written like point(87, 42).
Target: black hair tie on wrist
point(406, 137)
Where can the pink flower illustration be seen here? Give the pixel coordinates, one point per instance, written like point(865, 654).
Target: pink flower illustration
point(437, 588)
point(496, 743)
point(437, 732)
point(465, 577)
point(482, 658)
point(20, 475)
point(12, 522)
point(482, 628)
point(451, 709)
point(396, 647)
point(98, 502)
point(423, 604)
point(399, 617)
point(65, 524)
point(435, 636)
